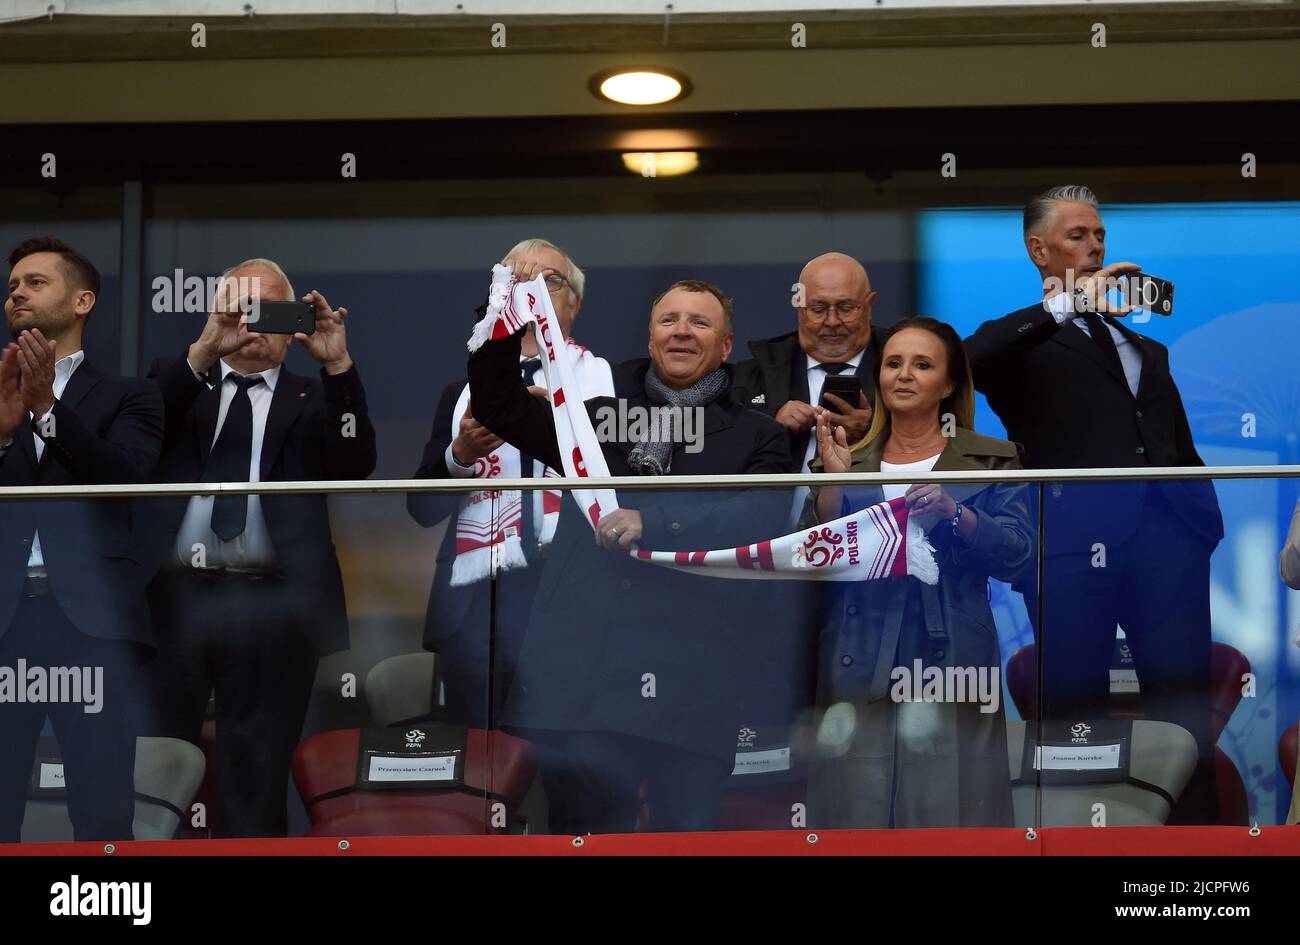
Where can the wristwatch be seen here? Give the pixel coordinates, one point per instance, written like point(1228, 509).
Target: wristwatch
point(1081, 302)
point(956, 519)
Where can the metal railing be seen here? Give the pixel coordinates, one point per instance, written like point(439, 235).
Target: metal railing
point(675, 483)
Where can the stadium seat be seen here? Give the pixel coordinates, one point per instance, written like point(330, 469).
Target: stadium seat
point(1227, 666)
point(400, 689)
point(325, 774)
point(1162, 754)
point(168, 772)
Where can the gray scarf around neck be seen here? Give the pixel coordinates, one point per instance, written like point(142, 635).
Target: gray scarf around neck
point(653, 455)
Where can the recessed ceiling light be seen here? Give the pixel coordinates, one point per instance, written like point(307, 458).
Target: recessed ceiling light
point(661, 163)
point(639, 85)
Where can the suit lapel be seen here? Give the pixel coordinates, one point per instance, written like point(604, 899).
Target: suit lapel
point(954, 459)
point(1072, 336)
point(291, 394)
point(82, 382)
point(206, 407)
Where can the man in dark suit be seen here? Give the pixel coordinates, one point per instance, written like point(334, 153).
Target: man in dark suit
point(250, 595)
point(784, 379)
point(785, 376)
point(477, 625)
point(71, 585)
point(1080, 389)
point(629, 672)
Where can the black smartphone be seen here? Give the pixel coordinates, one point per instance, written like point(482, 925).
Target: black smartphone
point(282, 318)
point(847, 387)
point(1150, 293)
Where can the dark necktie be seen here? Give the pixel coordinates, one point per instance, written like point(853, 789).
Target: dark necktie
point(528, 368)
point(1099, 329)
point(231, 457)
point(836, 368)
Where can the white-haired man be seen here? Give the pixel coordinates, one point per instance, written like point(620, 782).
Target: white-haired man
point(250, 595)
point(515, 528)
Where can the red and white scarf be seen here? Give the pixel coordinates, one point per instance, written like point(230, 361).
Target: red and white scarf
point(489, 525)
point(870, 544)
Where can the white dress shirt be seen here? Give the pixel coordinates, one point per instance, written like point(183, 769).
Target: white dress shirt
point(816, 381)
point(1061, 306)
point(63, 369)
point(250, 550)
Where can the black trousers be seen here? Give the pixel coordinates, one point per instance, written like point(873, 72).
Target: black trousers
point(593, 779)
point(98, 748)
point(486, 651)
point(240, 639)
point(1156, 586)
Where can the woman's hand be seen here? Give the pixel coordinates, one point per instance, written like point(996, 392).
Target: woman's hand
point(932, 500)
point(832, 445)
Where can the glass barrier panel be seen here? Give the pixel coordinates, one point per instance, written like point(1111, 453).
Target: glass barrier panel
point(740, 689)
point(1168, 678)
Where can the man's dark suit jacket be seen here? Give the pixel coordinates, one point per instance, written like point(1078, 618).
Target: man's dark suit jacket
point(303, 441)
point(778, 372)
point(1069, 408)
point(106, 430)
point(451, 608)
point(602, 620)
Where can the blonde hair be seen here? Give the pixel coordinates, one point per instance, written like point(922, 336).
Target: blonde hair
point(960, 403)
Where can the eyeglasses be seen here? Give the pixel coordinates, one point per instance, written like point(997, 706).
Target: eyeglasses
point(846, 311)
point(556, 282)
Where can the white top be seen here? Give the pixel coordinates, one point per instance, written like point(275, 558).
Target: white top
point(921, 465)
point(917, 522)
point(63, 369)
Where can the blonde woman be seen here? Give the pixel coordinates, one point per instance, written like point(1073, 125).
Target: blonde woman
point(892, 750)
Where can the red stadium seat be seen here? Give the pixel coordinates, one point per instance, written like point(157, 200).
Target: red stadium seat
point(327, 763)
point(1286, 752)
point(1227, 666)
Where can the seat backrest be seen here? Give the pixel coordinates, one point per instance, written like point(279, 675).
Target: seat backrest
point(326, 764)
point(171, 770)
point(168, 772)
point(1161, 753)
point(1227, 666)
point(400, 689)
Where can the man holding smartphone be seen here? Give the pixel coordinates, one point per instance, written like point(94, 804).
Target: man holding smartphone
point(1077, 388)
point(790, 376)
point(250, 595)
point(828, 363)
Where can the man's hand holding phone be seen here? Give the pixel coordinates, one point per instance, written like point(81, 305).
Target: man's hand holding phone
point(328, 344)
point(223, 334)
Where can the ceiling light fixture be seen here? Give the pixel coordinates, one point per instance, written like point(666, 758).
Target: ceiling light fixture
point(639, 85)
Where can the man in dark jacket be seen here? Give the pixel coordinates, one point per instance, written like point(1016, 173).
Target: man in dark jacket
point(1080, 389)
point(629, 672)
point(250, 594)
point(71, 583)
point(784, 379)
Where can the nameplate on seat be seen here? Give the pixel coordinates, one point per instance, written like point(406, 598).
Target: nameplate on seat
point(762, 762)
point(430, 755)
point(408, 769)
point(1084, 752)
point(50, 776)
point(1077, 757)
